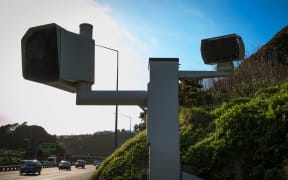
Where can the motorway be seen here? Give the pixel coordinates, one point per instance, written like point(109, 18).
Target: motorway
point(52, 174)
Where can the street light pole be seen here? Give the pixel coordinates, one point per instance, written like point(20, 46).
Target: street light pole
point(116, 106)
point(129, 122)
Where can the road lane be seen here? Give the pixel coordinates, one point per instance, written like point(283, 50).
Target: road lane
point(52, 174)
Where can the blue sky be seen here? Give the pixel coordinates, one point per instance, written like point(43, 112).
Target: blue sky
point(139, 29)
point(175, 28)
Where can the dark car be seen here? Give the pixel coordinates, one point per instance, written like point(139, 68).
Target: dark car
point(64, 165)
point(30, 167)
point(80, 163)
point(97, 164)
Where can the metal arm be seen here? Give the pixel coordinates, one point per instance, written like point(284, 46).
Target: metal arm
point(85, 96)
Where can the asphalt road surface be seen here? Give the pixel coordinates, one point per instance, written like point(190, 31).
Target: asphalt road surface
point(52, 174)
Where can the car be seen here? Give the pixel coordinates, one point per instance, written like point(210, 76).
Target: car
point(80, 163)
point(95, 162)
point(64, 165)
point(30, 167)
point(51, 161)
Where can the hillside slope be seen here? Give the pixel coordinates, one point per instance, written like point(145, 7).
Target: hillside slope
point(247, 139)
point(130, 161)
point(243, 136)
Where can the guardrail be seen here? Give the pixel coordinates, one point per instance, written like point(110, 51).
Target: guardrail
point(9, 168)
point(16, 167)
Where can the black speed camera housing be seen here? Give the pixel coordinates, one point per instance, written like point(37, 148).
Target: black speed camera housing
point(56, 57)
point(222, 49)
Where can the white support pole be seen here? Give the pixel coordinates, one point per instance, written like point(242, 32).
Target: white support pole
point(163, 123)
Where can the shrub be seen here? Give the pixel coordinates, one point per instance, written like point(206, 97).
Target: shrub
point(128, 162)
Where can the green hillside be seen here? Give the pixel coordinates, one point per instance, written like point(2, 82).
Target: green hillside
point(246, 139)
point(130, 161)
point(236, 129)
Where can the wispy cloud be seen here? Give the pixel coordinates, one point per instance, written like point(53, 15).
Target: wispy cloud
point(193, 12)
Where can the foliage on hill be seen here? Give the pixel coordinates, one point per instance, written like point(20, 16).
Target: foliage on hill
point(247, 139)
point(11, 157)
point(128, 162)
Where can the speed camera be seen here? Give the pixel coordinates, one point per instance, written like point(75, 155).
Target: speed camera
point(222, 49)
point(56, 57)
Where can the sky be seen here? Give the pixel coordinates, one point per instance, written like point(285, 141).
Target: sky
point(138, 30)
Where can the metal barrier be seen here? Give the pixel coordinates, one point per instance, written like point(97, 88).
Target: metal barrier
point(9, 168)
point(16, 167)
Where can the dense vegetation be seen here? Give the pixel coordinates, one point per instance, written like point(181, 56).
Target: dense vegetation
point(127, 162)
point(235, 129)
point(9, 157)
point(247, 138)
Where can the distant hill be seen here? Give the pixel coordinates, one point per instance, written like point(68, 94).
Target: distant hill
point(30, 138)
point(97, 144)
point(20, 141)
point(19, 136)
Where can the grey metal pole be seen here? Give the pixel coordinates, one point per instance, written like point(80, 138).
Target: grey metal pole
point(116, 110)
point(87, 97)
point(86, 30)
point(130, 120)
point(30, 143)
point(130, 127)
point(117, 83)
